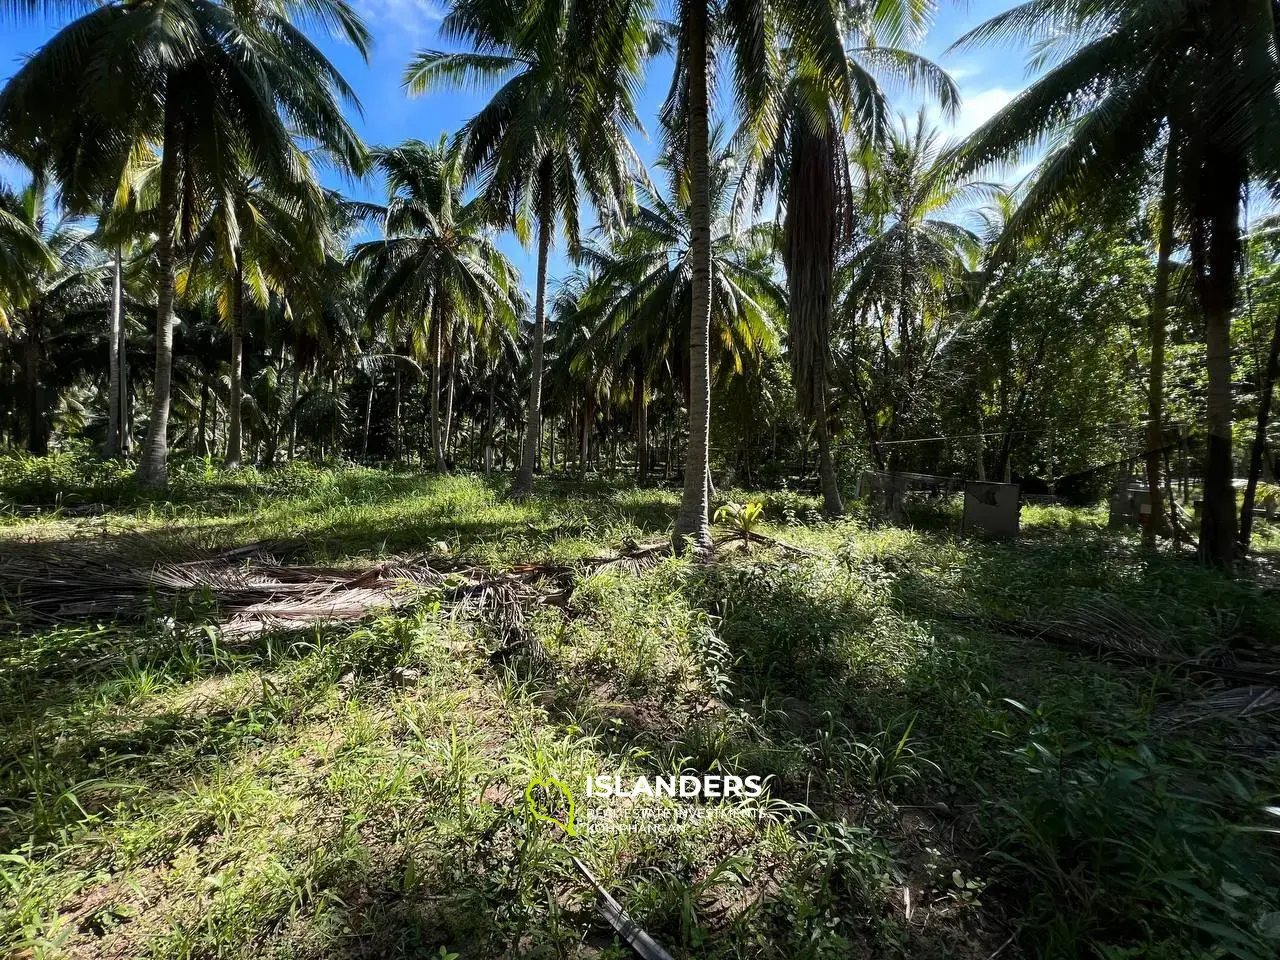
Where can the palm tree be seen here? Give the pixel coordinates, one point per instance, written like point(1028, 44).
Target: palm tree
point(797, 148)
point(252, 243)
point(900, 278)
point(24, 255)
point(58, 272)
point(222, 88)
point(555, 130)
point(751, 31)
point(1208, 70)
point(437, 263)
point(126, 220)
point(644, 282)
point(641, 286)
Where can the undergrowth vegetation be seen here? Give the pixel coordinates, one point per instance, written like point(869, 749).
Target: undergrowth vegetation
point(941, 785)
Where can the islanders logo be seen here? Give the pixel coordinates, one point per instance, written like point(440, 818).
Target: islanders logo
point(551, 801)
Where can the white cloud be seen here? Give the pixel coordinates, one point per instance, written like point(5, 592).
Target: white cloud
point(977, 108)
point(409, 18)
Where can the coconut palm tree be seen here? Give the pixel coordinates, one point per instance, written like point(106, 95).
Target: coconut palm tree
point(24, 255)
point(438, 262)
point(58, 273)
point(1127, 74)
point(556, 131)
point(900, 277)
point(252, 243)
point(644, 282)
point(751, 32)
point(223, 88)
point(797, 148)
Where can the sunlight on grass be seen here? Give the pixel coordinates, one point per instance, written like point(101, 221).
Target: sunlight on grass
point(168, 792)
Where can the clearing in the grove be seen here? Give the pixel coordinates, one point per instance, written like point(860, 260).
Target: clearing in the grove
point(316, 713)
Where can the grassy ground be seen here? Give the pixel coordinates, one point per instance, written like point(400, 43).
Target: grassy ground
point(941, 786)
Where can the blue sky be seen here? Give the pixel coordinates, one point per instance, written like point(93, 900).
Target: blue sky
point(988, 79)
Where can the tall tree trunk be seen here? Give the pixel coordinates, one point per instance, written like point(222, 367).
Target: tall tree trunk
point(293, 412)
point(1269, 376)
point(112, 447)
point(586, 439)
point(436, 338)
point(814, 212)
point(692, 528)
point(234, 422)
point(523, 486)
point(488, 426)
point(1216, 252)
point(449, 390)
point(368, 419)
point(153, 469)
point(399, 427)
point(126, 399)
point(642, 426)
point(1159, 310)
point(832, 505)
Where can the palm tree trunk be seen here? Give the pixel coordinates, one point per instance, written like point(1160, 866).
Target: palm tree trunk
point(586, 439)
point(523, 486)
point(293, 413)
point(1269, 377)
point(126, 399)
point(368, 419)
point(813, 209)
point(153, 469)
point(692, 528)
point(1216, 256)
point(234, 422)
point(399, 428)
point(832, 505)
point(112, 448)
point(449, 390)
point(488, 426)
point(1159, 310)
point(436, 337)
point(642, 427)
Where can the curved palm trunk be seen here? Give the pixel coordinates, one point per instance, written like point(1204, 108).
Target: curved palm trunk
point(1159, 312)
point(235, 440)
point(1269, 378)
point(113, 445)
point(523, 486)
point(153, 469)
point(692, 529)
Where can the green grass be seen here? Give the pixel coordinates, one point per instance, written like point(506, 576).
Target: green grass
point(167, 792)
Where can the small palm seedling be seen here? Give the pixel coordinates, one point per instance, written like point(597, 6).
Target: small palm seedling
point(743, 518)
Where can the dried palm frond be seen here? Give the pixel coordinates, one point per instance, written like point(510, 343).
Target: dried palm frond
point(1236, 703)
